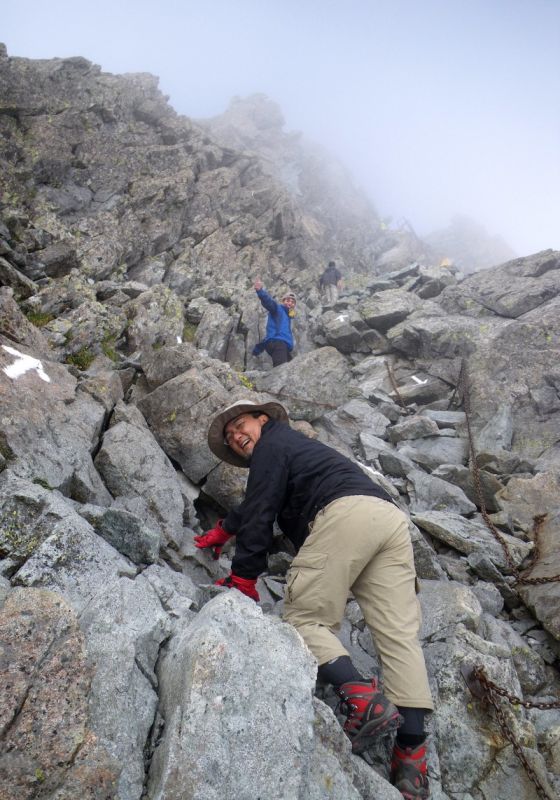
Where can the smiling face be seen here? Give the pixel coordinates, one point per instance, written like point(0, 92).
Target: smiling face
point(242, 433)
point(289, 302)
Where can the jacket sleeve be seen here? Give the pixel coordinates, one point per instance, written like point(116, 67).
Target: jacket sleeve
point(267, 301)
point(264, 499)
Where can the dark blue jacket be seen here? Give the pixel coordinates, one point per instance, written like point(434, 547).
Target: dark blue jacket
point(291, 478)
point(278, 325)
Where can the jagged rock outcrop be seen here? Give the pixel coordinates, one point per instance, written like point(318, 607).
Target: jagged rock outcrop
point(125, 228)
point(321, 188)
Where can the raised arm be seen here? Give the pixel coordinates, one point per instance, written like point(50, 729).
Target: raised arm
point(267, 301)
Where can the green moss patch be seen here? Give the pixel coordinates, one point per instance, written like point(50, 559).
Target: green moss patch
point(82, 359)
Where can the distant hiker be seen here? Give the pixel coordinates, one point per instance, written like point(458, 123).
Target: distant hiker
point(330, 282)
point(349, 536)
point(278, 341)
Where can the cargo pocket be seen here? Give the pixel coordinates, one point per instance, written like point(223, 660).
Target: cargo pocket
point(302, 576)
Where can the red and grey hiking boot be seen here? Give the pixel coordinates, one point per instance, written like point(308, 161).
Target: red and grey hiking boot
point(409, 772)
point(368, 712)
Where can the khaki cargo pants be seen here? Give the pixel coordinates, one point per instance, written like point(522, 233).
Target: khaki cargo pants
point(361, 544)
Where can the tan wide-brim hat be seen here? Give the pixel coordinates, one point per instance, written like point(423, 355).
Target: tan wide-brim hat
point(216, 441)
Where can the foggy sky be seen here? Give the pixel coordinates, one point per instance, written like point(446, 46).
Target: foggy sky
point(438, 107)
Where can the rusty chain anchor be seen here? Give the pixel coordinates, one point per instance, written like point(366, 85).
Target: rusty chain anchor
point(476, 679)
point(481, 687)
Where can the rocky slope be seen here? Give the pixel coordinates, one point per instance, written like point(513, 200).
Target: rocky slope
point(128, 240)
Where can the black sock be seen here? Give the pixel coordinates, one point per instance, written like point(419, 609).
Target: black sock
point(411, 733)
point(405, 740)
point(338, 671)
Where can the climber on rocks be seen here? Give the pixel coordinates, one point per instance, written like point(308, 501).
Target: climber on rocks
point(330, 283)
point(278, 341)
point(349, 536)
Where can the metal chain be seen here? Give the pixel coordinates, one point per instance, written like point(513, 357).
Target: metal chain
point(483, 688)
point(538, 520)
point(490, 686)
point(477, 681)
point(518, 750)
point(395, 387)
point(492, 692)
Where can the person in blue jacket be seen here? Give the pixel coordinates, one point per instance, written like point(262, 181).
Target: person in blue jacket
point(278, 341)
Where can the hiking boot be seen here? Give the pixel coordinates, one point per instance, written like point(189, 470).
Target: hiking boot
point(409, 771)
point(368, 713)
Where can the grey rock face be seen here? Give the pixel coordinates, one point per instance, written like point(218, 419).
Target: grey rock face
point(73, 561)
point(16, 280)
point(129, 476)
point(121, 216)
point(529, 665)
point(226, 485)
point(125, 625)
point(16, 329)
point(126, 533)
point(47, 742)
point(497, 433)
point(372, 446)
point(180, 407)
point(155, 319)
point(215, 330)
point(353, 419)
point(340, 333)
point(441, 336)
point(168, 362)
point(445, 606)
point(313, 179)
point(310, 384)
point(523, 355)
point(383, 310)
point(463, 478)
point(468, 536)
point(513, 288)
point(66, 423)
point(178, 594)
point(445, 419)
point(428, 493)
point(425, 559)
point(432, 451)
point(207, 671)
point(413, 428)
point(218, 672)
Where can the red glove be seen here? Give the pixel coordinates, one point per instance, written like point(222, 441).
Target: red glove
point(246, 585)
point(216, 539)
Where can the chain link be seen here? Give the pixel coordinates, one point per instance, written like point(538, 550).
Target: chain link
point(395, 387)
point(480, 675)
point(538, 520)
point(477, 680)
point(485, 689)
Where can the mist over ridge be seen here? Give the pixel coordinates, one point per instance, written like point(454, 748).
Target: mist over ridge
point(437, 111)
